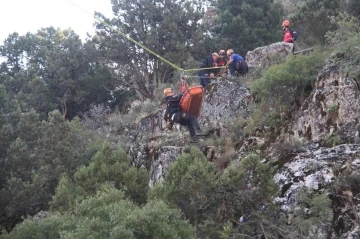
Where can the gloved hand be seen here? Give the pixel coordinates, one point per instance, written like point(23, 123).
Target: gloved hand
point(212, 75)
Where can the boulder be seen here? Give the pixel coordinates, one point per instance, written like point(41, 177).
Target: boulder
point(263, 55)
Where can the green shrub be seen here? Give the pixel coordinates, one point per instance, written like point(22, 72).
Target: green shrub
point(284, 85)
point(332, 108)
point(331, 140)
point(108, 214)
point(214, 201)
point(108, 166)
point(189, 185)
point(346, 40)
point(309, 218)
point(280, 82)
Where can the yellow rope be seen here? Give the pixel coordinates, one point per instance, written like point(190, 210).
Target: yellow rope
point(196, 69)
point(139, 44)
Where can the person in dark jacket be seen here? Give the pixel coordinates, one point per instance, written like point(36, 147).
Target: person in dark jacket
point(236, 63)
point(210, 65)
point(174, 114)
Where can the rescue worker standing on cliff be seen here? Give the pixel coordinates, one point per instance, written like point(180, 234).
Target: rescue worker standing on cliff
point(174, 114)
point(290, 35)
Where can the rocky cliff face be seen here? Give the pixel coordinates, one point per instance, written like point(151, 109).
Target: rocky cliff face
point(328, 117)
point(157, 147)
point(333, 109)
point(263, 55)
point(318, 169)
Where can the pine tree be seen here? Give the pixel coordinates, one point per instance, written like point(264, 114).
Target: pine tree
point(169, 29)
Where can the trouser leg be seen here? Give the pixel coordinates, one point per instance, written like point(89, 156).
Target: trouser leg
point(202, 81)
point(191, 129)
point(191, 122)
point(194, 122)
point(232, 69)
point(204, 78)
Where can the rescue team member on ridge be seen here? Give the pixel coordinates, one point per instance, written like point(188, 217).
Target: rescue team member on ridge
point(237, 64)
point(206, 74)
point(173, 114)
point(289, 34)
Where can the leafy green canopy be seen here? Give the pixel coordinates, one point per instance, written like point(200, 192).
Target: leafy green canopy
point(52, 69)
point(35, 156)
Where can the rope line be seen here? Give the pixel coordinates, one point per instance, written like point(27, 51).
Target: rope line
point(196, 69)
point(137, 43)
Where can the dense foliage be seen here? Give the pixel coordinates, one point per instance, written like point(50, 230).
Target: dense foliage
point(170, 29)
point(245, 25)
point(312, 19)
point(284, 86)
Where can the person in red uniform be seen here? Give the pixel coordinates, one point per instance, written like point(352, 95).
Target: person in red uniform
point(289, 34)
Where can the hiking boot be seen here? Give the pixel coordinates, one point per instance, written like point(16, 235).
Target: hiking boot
point(194, 139)
point(199, 132)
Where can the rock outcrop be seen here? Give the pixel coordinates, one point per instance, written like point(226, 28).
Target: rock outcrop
point(333, 109)
point(318, 168)
point(330, 114)
point(156, 147)
point(263, 55)
point(224, 100)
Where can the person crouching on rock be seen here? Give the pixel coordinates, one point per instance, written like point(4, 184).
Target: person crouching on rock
point(237, 64)
point(209, 68)
point(174, 114)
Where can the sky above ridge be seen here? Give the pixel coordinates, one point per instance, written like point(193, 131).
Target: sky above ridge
point(24, 16)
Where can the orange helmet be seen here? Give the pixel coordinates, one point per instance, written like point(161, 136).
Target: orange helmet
point(168, 92)
point(286, 23)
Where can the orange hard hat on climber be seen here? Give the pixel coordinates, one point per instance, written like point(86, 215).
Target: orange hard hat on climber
point(168, 92)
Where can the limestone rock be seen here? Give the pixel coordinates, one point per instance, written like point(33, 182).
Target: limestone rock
point(315, 167)
point(224, 100)
point(165, 157)
point(262, 55)
point(332, 108)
